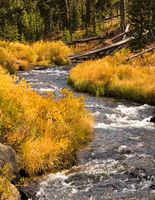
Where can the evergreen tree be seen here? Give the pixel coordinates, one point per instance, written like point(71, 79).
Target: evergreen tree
point(32, 21)
point(141, 15)
point(10, 13)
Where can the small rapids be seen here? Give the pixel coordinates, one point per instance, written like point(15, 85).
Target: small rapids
point(118, 163)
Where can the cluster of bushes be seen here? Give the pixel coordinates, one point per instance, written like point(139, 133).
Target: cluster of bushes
point(46, 133)
point(18, 56)
point(116, 77)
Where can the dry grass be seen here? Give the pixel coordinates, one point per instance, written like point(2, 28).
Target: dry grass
point(18, 56)
point(46, 133)
point(5, 192)
point(111, 25)
point(110, 76)
point(84, 47)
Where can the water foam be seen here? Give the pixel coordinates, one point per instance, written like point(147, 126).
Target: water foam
point(126, 117)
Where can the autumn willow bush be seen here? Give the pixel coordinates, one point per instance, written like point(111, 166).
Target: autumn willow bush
point(17, 56)
point(45, 132)
point(115, 77)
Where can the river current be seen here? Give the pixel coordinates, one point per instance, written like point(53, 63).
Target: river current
point(119, 163)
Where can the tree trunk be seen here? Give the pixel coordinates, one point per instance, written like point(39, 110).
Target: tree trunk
point(67, 14)
point(122, 15)
point(87, 13)
point(82, 14)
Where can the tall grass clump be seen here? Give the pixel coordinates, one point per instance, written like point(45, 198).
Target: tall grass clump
point(19, 56)
point(46, 133)
point(115, 77)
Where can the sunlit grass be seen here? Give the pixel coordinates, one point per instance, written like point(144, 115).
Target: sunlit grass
point(45, 132)
point(114, 76)
point(18, 56)
point(5, 186)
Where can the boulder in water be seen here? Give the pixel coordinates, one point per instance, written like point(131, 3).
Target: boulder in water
point(152, 119)
point(152, 186)
point(124, 150)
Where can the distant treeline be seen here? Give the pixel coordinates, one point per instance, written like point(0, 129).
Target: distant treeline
point(45, 19)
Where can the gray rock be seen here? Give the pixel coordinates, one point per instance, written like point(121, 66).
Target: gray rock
point(14, 193)
point(152, 186)
point(124, 150)
point(8, 156)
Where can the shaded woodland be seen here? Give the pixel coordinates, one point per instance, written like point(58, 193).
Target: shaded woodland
point(69, 20)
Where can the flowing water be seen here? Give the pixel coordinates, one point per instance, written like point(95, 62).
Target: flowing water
point(119, 162)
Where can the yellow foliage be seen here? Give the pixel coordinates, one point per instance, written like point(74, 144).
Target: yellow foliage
point(44, 154)
point(18, 56)
point(111, 76)
point(45, 132)
point(5, 178)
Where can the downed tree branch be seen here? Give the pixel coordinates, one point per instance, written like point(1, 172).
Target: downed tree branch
point(100, 51)
point(87, 40)
point(126, 31)
point(103, 51)
point(56, 38)
point(124, 37)
point(113, 39)
point(94, 38)
point(121, 35)
point(141, 53)
point(113, 17)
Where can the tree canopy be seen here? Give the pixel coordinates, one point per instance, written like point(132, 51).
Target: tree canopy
point(44, 19)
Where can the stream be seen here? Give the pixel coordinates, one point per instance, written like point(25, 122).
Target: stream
point(118, 163)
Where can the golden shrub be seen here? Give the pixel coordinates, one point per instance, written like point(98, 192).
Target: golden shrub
point(112, 76)
point(45, 132)
point(38, 53)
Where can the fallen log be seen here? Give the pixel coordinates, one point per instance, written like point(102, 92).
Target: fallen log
point(124, 37)
point(104, 37)
point(126, 33)
point(112, 39)
point(106, 50)
point(110, 18)
point(56, 38)
point(100, 51)
point(141, 53)
point(87, 40)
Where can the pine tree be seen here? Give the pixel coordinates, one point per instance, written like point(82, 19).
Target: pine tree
point(10, 12)
point(141, 15)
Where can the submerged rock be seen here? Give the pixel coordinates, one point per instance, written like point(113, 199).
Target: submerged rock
point(152, 186)
point(124, 150)
point(152, 119)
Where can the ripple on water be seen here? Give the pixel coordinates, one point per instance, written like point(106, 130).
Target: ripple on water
point(127, 117)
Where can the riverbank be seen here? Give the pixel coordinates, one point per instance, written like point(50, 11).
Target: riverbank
point(23, 56)
point(114, 76)
point(46, 133)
